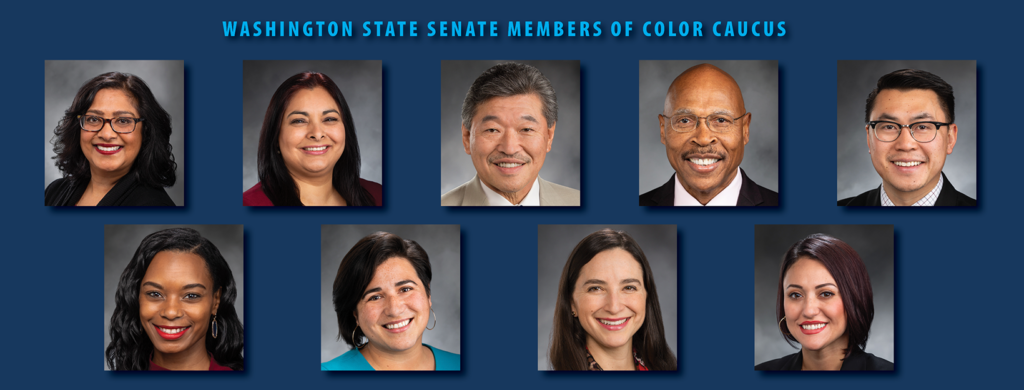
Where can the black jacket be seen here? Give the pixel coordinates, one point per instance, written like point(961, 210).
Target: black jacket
point(948, 196)
point(751, 194)
point(858, 361)
point(127, 192)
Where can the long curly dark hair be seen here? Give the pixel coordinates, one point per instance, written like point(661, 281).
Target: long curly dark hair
point(278, 184)
point(154, 166)
point(130, 348)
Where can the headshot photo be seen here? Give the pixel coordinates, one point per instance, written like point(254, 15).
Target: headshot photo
point(499, 144)
point(390, 298)
point(304, 143)
point(718, 124)
point(114, 133)
point(918, 122)
point(173, 298)
point(820, 291)
point(607, 298)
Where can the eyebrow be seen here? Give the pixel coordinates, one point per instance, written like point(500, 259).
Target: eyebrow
point(328, 111)
point(691, 112)
point(378, 289)
point(187, 286)
point(815, 287)
point(98, 112)
point(601, 282)
point(298, 113)
point(529, 118)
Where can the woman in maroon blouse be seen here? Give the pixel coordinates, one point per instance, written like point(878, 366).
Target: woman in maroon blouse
point(308, 153)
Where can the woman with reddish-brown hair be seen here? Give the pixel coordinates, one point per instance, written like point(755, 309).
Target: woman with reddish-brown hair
point(308, 153)
point(824, 302)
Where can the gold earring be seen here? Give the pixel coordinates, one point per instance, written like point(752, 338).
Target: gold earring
point(435, 319)
point(780, 325)
point(354, 343)
point(574, 313)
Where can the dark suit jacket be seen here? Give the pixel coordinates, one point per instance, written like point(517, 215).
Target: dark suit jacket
point(948, 196)
point(127, 192)
point(751, 194)
point(858, 361)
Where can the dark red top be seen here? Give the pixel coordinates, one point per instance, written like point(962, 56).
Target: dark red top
point(213, 366)
point(255, 196)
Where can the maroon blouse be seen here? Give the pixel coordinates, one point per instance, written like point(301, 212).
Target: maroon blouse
point(255, 196)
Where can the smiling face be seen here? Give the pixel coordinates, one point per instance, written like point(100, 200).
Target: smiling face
point(312, 135)
point(909, 168)
point(110, 153)
point(395, 308)
point(610, 299)
point(705, 162)
point(176, 303)
point(508, 141)
point(814, 309)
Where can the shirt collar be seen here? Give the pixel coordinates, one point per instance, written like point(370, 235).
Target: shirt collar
point(495, 199)
point(728, 197)
point(928, 200)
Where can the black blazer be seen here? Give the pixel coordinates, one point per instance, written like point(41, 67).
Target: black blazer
point(948, 196)
point(858, 361)
point(751, 194)
point(127, 192)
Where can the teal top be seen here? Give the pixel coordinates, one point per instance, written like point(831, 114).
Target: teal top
point(354, 361)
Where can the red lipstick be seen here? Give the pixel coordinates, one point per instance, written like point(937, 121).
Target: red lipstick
point(108, 146)
point(171, 336)
point(813, 331)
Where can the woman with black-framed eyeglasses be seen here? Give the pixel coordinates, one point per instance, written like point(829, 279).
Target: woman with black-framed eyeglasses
point(113, 123)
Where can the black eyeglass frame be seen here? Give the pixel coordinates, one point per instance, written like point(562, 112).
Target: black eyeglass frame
point(705, 118)
point(909, 127)
point(106, 121)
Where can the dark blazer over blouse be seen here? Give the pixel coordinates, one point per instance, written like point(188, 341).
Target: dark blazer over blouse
point(751, 194)
point(858, 361)
point(948, 196)
point(127, 192)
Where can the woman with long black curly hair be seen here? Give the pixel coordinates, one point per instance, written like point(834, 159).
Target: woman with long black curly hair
point(175, 308)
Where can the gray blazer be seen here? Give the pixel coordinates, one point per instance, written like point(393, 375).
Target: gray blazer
point(471, 193)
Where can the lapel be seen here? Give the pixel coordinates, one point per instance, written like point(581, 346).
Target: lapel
point(948, 194)
point(750, 193)
point(666, 194)
point(474, 194)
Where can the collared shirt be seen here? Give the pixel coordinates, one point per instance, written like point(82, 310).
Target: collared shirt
point(728, 197)
point(495, 199)
point(928, 200)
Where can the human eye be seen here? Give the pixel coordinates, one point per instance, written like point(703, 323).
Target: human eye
point(124, 120)
point(794, 295)
point(827, 294)
point(153, 294)
point(527, 129)
point(684, 120)
point(91, 119)
point(631, 288)
point(374, 297)
point(405, 289)
point(193, 297)
point(298, 121)
point(331, 120)
point(594, 289)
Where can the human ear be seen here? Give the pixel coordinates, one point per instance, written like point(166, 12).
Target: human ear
point(466, 139)
point(952, 138)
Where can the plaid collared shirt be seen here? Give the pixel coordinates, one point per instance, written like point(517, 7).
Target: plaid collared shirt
point(927, 200)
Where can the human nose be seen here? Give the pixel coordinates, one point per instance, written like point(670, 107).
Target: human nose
point(614, 303)
point(394, 306)
point(702, 135)
point(171, 309)
point(811, 308)
point(315, 131)
point(107, 131)
point(510, 142)
point(905, 141)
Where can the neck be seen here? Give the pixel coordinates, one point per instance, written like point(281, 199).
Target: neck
point(829, 358)
point(515, 197)
point(192, 359)
point(613, 359)
point(415, 358)
point(704, 197)
point(318, 190)
point(908, 198)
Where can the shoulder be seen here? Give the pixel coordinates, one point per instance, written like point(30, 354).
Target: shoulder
point(785, 363)
point(867, 198)
point(255, 197)
point(375, 190)
point(753, 194)
point(143, 195)
point(661, 196)
point(53, 190)
point(455, 196)
point(445, 361)
point(863, 361)
point(55, 185)
point(949, 196)
point(348, 361)
point(768, 197)
point(552, 194)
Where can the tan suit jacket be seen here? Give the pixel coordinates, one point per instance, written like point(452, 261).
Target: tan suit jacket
point(471, 193)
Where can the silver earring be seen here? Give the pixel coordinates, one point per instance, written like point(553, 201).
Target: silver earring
point(357, 345)
point(213, 326)
point(435, 319)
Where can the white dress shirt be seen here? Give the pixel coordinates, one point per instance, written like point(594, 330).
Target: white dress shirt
point(728, 197)
point(495, 199)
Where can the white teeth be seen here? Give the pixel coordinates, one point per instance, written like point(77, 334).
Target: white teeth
point(613, 323)
point(316, 148)
point(108, 149)
point(172, 331)
point(703, 161)
point(510, 165)
point(398, 325)
point(813, 326)
point(907, 163)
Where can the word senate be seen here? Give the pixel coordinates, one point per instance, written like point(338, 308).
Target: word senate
point(491, 29)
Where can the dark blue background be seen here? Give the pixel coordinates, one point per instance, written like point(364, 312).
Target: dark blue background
point(957, 281)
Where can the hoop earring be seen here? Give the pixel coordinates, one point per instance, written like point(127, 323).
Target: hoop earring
point(213, 326)
point(435, 319)
point(357, 345)
point(780, 326)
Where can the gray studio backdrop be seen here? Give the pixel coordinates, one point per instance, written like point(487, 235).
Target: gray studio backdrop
point(562, 164)
point(555, 243)
point(166, 79)
point(121, 241)
point(759, 82)
point(442, 244)
point(874, 244)
point(856, 79)
point(359, 81)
